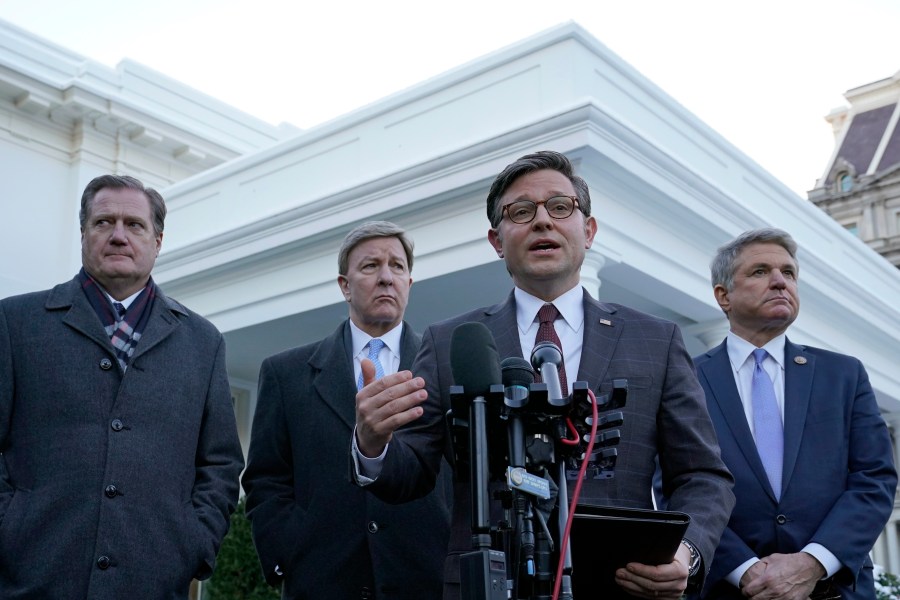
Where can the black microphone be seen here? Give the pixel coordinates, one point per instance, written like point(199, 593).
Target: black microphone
point(476, 366)
point(517, 379)
point(473, 359)
point(546, 358)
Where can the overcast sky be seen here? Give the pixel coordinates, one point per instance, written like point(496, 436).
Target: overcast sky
point(763, 74)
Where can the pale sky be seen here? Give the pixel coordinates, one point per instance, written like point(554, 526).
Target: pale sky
point(763, 74)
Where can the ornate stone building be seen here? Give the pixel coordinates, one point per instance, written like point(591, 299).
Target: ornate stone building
point(860, 188)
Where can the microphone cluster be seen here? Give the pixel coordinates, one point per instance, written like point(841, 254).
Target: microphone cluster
point(533, 437)
point(529, 424)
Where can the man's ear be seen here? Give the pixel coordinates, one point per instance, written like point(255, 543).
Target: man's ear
point(721, 295)
point(496, 241)
point(590, 230)
point(344, 284)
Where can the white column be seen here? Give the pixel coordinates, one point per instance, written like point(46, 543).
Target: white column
point(893, 545)
point(710, 333)
point(590, 272)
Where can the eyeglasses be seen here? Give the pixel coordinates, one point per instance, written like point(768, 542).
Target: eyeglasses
point(524, 211)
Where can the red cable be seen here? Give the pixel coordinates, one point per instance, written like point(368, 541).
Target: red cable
point(575, 494)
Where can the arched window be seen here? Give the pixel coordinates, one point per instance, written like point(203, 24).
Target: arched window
point(845, 182)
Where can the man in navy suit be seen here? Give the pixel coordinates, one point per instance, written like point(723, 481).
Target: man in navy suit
point(541, 226)
point(317, 535)
point(806, 516)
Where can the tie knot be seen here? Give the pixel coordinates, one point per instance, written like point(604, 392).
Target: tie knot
point(375, 346)
point(120, 309)
point(760, 355)
point(548, 314)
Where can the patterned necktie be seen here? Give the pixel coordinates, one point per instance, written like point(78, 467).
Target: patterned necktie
point(547, 333)
point(375, 345)
point(767, 426)
point(120, 310)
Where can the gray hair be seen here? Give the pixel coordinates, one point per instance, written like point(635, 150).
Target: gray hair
point(546, 159)
point(118, 182)
point(723, 264)
point(370, 230)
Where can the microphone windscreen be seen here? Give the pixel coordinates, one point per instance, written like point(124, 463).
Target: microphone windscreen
point(516, 371)
point(473, 359)
point(546, 352)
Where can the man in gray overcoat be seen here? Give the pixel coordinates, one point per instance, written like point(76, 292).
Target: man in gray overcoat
point(119, 454)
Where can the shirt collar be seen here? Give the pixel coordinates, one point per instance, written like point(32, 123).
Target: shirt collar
point(739, 349)
point(570, 306)
point(126, 302)
point(391, 339)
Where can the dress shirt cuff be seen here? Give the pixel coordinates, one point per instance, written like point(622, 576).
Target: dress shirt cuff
point(828, 560)
point(734, 578)
point(365, 470)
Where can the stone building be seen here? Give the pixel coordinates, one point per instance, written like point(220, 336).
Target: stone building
point(860, 187)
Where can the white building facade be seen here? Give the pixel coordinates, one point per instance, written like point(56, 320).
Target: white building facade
point(256, 213)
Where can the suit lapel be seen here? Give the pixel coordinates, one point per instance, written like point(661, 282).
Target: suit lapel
point(333, 377)
point(501, 320)
point(80, 316)
point(799, 368)
point(409, 347)
point(160, 325)
point(721, 389)
point(602, 330)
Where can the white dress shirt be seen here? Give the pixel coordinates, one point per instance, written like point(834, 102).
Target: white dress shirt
point(389, 355)
point(740, 354)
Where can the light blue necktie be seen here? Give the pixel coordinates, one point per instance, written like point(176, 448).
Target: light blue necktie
point(375, 345)
point(767, 426)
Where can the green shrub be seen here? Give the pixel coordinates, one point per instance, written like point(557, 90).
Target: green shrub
point(887, 586)
point(238, 575)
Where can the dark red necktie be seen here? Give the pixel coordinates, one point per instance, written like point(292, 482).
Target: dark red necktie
point(547, 333)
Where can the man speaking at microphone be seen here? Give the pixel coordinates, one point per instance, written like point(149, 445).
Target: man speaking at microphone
point(541, 226)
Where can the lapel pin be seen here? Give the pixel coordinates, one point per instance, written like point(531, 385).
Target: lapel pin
point(800, 360)
point(606, 322)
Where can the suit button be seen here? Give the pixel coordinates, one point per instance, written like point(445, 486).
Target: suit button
point(103, 562)
point(372, 527)
point(117, 425)
point(105, 364)
point(366, 594)
point(111, 491)
point(781, 519)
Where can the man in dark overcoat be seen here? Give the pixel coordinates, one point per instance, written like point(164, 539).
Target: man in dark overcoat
point(119, 453)
point(317, 535)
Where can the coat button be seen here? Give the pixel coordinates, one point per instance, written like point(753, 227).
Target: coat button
point(781, 519)
point(103, 562)
point(105, 364)
point(372, 527)
point(366, 594)
point(117, 425)
point(111, 491)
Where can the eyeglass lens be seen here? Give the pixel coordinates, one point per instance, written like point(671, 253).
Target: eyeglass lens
point(523, 211)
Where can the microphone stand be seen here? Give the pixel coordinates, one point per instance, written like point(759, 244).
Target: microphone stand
point(482, 571)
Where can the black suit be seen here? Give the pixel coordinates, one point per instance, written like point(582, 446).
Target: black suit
point(330, 538)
